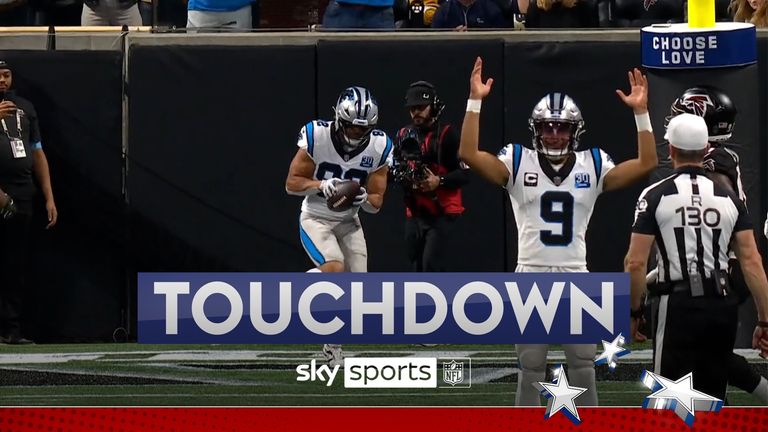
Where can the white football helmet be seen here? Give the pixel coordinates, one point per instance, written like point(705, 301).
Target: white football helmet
point(554, 111)
point(355, 107)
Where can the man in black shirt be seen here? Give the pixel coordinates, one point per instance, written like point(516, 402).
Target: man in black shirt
point(21, 155)
point(427, 166)
point(694, 221)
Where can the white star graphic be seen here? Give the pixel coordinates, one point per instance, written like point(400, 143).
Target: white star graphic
point(611, 352)
point(560, 395)
point(679, 396)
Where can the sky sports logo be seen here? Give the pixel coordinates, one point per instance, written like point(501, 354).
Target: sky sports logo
point(392, 372)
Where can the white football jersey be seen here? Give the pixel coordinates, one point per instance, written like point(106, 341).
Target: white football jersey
point(330, 162)
point(552, 207)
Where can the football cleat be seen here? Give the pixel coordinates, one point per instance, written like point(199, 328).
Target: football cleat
point(332, 353)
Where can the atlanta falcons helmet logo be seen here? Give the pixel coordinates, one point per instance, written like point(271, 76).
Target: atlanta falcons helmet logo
point(709, 162)
point(697, 104)
point(648, 3)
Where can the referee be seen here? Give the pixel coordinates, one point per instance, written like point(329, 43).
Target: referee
point(693, 220)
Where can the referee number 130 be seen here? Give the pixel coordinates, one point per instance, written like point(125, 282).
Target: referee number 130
point(695, 216)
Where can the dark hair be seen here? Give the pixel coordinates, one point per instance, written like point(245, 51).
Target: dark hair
point(688, 156)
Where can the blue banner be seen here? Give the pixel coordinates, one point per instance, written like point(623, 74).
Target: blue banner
point(456, 308)
point(676, 46)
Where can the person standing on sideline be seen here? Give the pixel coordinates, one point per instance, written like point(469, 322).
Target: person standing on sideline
point(21, 157)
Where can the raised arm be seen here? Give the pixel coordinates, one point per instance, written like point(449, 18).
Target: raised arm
point(631, 171)
point(484, 163)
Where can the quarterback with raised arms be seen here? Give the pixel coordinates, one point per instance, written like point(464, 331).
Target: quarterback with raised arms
point(553, 188)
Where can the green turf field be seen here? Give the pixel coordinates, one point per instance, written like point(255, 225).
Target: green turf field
point(248, 375)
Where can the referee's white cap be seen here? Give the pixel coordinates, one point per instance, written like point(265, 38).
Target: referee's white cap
point(687, 132)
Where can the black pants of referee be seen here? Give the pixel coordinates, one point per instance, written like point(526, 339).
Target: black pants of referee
point(428, 241)
point(696, 335)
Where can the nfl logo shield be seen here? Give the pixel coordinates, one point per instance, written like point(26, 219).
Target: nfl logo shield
point(453, 372)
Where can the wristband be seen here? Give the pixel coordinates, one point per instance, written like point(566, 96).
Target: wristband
point(473, 105)
point(643, 122)
point(763, 324)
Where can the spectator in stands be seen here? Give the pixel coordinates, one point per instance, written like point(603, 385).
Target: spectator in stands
point(751, 11)
point(171, 13)
point(641, 13)
point(461, 15)
point(359, 14)
point(420, 13)
point(213, 14)
point(111, 13)
point(21, 161)
point(59, 12)
point(561, 14)
point(15, 13)
point(145, 10)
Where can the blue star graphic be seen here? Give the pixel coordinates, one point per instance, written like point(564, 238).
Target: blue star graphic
point(612, 351)
point(560, 396)
point(678, 396)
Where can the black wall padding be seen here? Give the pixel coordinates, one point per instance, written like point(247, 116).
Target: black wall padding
point(77, 289)
point(212, 133)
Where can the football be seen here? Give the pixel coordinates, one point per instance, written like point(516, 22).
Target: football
point(346, 192)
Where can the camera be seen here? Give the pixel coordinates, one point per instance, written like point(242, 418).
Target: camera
point(409, 167)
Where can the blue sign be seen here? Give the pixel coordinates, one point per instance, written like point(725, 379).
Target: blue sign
point(456, 308)
point(676, 46)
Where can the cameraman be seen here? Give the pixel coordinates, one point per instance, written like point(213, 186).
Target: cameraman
point(428, 168)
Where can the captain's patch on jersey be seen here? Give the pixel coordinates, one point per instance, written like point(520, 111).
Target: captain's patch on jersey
point(582, 180)
point(531, 179)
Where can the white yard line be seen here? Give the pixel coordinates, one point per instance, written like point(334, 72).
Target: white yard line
point(242, 355)
point(44, 358)
point(172, 379)
point(486, 375)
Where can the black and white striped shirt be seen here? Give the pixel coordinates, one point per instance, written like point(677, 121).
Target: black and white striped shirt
point(693, 220)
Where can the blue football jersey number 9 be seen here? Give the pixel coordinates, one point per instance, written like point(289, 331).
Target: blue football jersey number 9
point(557, 207)
point(336, 171)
